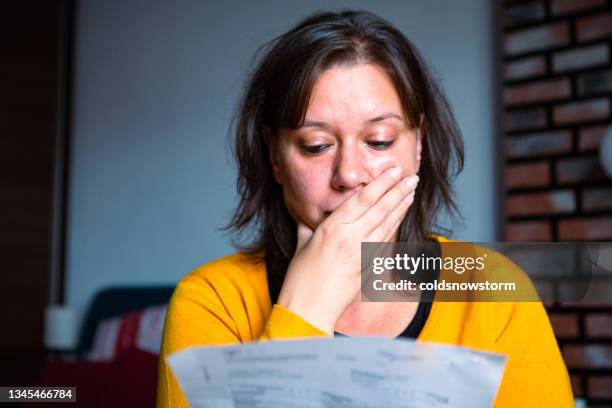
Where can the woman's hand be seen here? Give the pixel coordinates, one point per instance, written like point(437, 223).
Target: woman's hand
point(323, 277)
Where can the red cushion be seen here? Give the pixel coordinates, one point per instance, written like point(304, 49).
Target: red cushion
point(129, 381)
point(133, 382)
point(137, 329)
point(87, 377)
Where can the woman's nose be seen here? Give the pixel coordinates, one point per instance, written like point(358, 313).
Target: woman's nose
point(350, 169)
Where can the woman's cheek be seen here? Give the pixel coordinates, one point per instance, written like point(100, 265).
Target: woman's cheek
point(306, 193)
point(312, 186)
point(380, 164)
point(403, 154)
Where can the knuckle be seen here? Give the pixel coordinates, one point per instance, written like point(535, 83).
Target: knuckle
point(328, 229)
point(363, 198)
point(344, 244)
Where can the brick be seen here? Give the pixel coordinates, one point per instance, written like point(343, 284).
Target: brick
point(527, 175)
point(538, 38)
point(543, 288)
point(578, 289)
point(579, 170)
point(523, 13)
point(594, 27)
point(525, 68)
point(528, 231)
point(581, 111)
point(598, 325)
point(587, 304)
point(585, 229)
point(554, 202)
point(564, 325)
point(597, 290)
point(579, 58)
point(537, 144)
point(576, 385)
point(588, 356)
point(571, 6)
point(525, 119)
point(545, 264)
point(603, 261)
point(600, 387)
point(537, 91)
point(591, 137)
point(594, 199)
point(595, 83)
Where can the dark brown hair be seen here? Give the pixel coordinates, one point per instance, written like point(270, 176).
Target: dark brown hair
point(276, 96)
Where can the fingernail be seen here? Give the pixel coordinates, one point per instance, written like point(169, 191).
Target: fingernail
point(395, 172)
point(412, 181)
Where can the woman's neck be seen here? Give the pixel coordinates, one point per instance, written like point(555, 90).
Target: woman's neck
point(387, 319)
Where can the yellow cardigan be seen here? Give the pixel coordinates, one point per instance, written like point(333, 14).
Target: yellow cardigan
point(227, 301)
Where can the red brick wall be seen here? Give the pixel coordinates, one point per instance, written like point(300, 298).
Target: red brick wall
point(557, 96)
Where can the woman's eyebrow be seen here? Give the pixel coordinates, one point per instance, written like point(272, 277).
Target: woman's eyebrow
point(385, 116)
point(315, 124)
point(379, 118)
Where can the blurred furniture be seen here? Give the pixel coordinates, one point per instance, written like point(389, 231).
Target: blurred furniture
point(116, 301)
point(130, 378)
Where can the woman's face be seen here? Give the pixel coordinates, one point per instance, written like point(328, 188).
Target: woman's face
point(353, 131)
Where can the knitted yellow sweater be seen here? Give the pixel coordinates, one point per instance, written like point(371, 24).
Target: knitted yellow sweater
point(227, 301)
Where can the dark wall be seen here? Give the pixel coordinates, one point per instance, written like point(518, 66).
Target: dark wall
point(28, 102)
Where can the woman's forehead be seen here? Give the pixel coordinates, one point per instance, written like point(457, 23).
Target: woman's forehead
point(362, 86)
point(361, 93)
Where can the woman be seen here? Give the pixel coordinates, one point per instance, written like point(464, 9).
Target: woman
point(338, 118)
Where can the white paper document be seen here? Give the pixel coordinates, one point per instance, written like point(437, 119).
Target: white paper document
point(355, 372)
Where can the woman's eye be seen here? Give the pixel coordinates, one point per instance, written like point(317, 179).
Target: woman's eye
point(314, 149)
point(380, 145)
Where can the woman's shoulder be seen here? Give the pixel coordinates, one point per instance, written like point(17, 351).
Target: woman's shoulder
point(238, 268)
point(498, 311)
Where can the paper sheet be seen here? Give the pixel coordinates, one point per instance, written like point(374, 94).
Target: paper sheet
point(355, 372)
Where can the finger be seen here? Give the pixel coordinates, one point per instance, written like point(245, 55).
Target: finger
point(303, 235)
point(388, 227)
point(382, 209)
point(356, 205)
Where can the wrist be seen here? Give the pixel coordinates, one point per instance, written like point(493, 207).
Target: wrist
point(318, 318)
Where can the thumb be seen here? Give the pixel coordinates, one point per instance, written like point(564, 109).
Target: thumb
point(303, 235)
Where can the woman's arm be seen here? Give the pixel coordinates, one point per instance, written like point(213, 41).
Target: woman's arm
point(197, 315)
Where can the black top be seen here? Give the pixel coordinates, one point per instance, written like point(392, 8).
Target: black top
point(416, 324)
